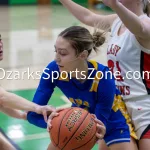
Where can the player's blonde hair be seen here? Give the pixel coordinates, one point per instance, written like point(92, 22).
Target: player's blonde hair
point(81, 39)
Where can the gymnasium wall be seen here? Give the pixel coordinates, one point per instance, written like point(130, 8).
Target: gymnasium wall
point(77, 1)
point(30, 2)
point(19, 2)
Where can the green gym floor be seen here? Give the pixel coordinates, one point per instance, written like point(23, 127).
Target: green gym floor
point(28, 34)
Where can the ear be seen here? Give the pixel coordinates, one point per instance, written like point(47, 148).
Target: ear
point(84, 54)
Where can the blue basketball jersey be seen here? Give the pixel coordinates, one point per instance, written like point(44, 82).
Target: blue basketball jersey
point(98, 95)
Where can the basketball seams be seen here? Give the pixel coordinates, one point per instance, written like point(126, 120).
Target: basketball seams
point(60, 126)
point(76, 130)
point(86, 142)
point(65, 138)
point(59, 131)
point(53, 141)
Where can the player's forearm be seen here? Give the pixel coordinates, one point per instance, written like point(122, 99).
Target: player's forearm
point(130, 20)
point(13, 113)
point(78, 11)
point(13, 101)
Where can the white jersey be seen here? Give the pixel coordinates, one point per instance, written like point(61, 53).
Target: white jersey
point(127, 56)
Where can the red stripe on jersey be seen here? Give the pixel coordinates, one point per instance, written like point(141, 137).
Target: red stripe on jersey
point(146, 67)
point(146, 135)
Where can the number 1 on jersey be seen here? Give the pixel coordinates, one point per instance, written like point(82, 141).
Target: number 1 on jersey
point(111, 66)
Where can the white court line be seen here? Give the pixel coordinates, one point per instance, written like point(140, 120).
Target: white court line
point(33, 137)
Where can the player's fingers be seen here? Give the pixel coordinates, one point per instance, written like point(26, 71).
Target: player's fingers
point(99, 136)
point(45, 115)
point(49, 125)
point(94, 116)
point(46, 111)
point(99, 122)
point(101, 130)
point(50, 108)
point(52, 115)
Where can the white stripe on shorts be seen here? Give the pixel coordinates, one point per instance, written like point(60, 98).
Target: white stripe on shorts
point(118, 140)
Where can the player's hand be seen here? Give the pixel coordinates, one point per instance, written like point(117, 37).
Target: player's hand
point(101, 129)
point(45, 111)
point(51, 116)
point(24, 116)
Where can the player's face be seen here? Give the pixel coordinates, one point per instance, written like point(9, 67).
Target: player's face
point(1, 50)
point(66, 57)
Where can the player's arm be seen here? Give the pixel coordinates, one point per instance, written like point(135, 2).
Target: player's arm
point(14, 101)
point(13, 113)
point(88, 17)
point(42, 96)
point(140, 28)
point(106, 93)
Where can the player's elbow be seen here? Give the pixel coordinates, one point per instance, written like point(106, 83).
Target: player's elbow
point(88, 20)
point(142, 32)
point(30, 116)
point(36, 119)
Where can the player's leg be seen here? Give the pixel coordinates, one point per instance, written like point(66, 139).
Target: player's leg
point(118, 139)
point(144, 142)
point(119, 129)
point(124, 146)
point(5, 144)
point(132, 145)
point(102, 145)
point(51, 147)
point(139, 109)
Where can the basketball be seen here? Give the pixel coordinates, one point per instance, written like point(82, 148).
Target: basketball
point(73, 129)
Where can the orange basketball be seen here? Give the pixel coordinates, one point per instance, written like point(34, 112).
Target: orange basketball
point(73, 129)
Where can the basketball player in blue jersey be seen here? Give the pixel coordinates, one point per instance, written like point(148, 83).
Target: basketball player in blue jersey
point(91, 88)
point(129, 36)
